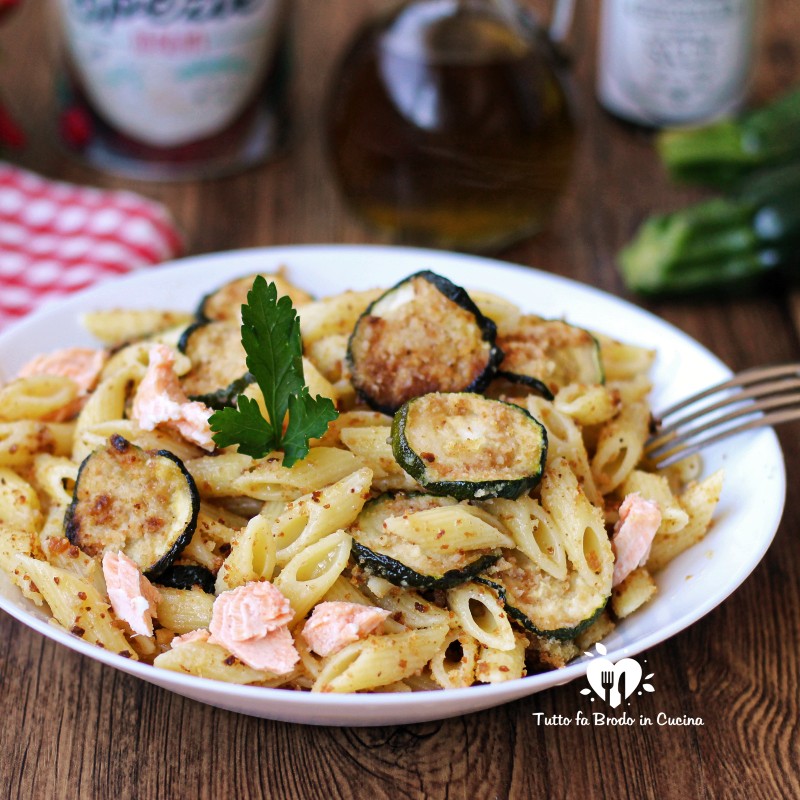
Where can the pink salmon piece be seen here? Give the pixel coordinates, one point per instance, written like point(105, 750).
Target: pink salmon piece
point(334, 625)
point(133, 597)
point(639, 520)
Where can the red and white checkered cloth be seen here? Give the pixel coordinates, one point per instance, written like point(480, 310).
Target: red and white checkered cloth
point(56, 238)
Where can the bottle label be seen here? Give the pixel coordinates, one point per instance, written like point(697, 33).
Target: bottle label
point(678, 61)
point(170, 72)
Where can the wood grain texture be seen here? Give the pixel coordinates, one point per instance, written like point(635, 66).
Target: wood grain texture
point(75, 729)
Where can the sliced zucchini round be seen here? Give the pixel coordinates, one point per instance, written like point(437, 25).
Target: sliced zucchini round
point(423, 335)
point(186, 576)
point(404, 563)
point(141, 502)
point(549, 353)
point(226, 302)
point(469, 447)
point(542, 604)
point(219, 363)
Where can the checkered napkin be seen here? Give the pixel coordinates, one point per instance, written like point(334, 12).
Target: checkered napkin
point(56, 238)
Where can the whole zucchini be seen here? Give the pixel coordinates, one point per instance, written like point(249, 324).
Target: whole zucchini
point(142, 503)
point(423, 335)
point(725, 152)
point(725, 243)
point(469, 447)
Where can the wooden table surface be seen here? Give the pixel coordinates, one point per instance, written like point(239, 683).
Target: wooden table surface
point(75, 729)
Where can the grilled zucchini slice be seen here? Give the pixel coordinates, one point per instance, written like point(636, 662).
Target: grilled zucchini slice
point(186, 576)
point(547, 354)
point(423, 335)
point(544, 605)
point(404, 562)
point(219, 364)
point(225, 303)
point(141, 502)
point(468, 446)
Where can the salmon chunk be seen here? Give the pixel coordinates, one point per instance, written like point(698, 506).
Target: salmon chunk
point(252, 622)
point(82, 365)
point(639, 520)
point(334, 625)
point(160, 401)
point(132, 596)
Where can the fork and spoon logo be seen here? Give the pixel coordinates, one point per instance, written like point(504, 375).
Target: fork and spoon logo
point(614, 682)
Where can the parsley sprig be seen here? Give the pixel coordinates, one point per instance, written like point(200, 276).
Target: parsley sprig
point(271, 340)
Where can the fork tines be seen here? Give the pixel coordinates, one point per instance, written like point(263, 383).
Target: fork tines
point(752, 399)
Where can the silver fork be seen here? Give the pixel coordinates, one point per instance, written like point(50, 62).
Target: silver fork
point(755, 398)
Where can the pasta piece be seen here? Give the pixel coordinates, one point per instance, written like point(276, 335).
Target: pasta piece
point(564, 440)
point(352, 419)
point(452, 666)
point(329, 355)
point(252, 556)
point(683, 472)
point(496, 666)
point(581, 525)
point(234, 474)
point(455, 528)
point(117, 325)
point(587, 405)
point(312, 572)
point(502, 312)
point(636, 590)
point(61, 553)
point(184, 610)
point(634, 390)
point(93, 437)
point(379, 660)
point(372, 444)
point(533, 532)
point(21, 441)
point(39, 397)
point(481, 615)
point(54, 476)
point(201, 551)
point(408, 608)
point(19, 503)
point(623, 361)
point(133, 360)
point(13, 544)
point(108, 400)
point(77, 606)
point(315, 515)
point(620, 446)
point(206, 660)
point(656, 488)
point(336, 315)
point(698, 501)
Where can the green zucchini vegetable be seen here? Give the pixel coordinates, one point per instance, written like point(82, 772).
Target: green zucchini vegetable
point(720, 243)
point(468, 446)
point(721, 154)
point(405, 563)
point(423, 335)
point(142, 503)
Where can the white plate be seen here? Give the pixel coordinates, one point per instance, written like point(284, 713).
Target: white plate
point(692, 585)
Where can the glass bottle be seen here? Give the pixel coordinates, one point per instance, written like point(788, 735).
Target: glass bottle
point(683, 62)
point(449, 124)
point(173, 89)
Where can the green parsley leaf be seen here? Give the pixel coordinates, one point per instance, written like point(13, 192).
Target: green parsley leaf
point(274, 349)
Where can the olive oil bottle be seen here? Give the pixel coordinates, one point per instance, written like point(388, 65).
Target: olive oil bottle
point(449, 125)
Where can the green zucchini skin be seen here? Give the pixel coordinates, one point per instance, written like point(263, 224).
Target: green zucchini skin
point(399, 574)
point(562, 634)
point(395, 571)
point(579, 361)
point(78, 510)
point(224, 396)
point(458, 296)
point(467, 489)
point(186, 576)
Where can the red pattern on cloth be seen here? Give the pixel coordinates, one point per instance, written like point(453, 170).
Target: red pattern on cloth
point(57, 238)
